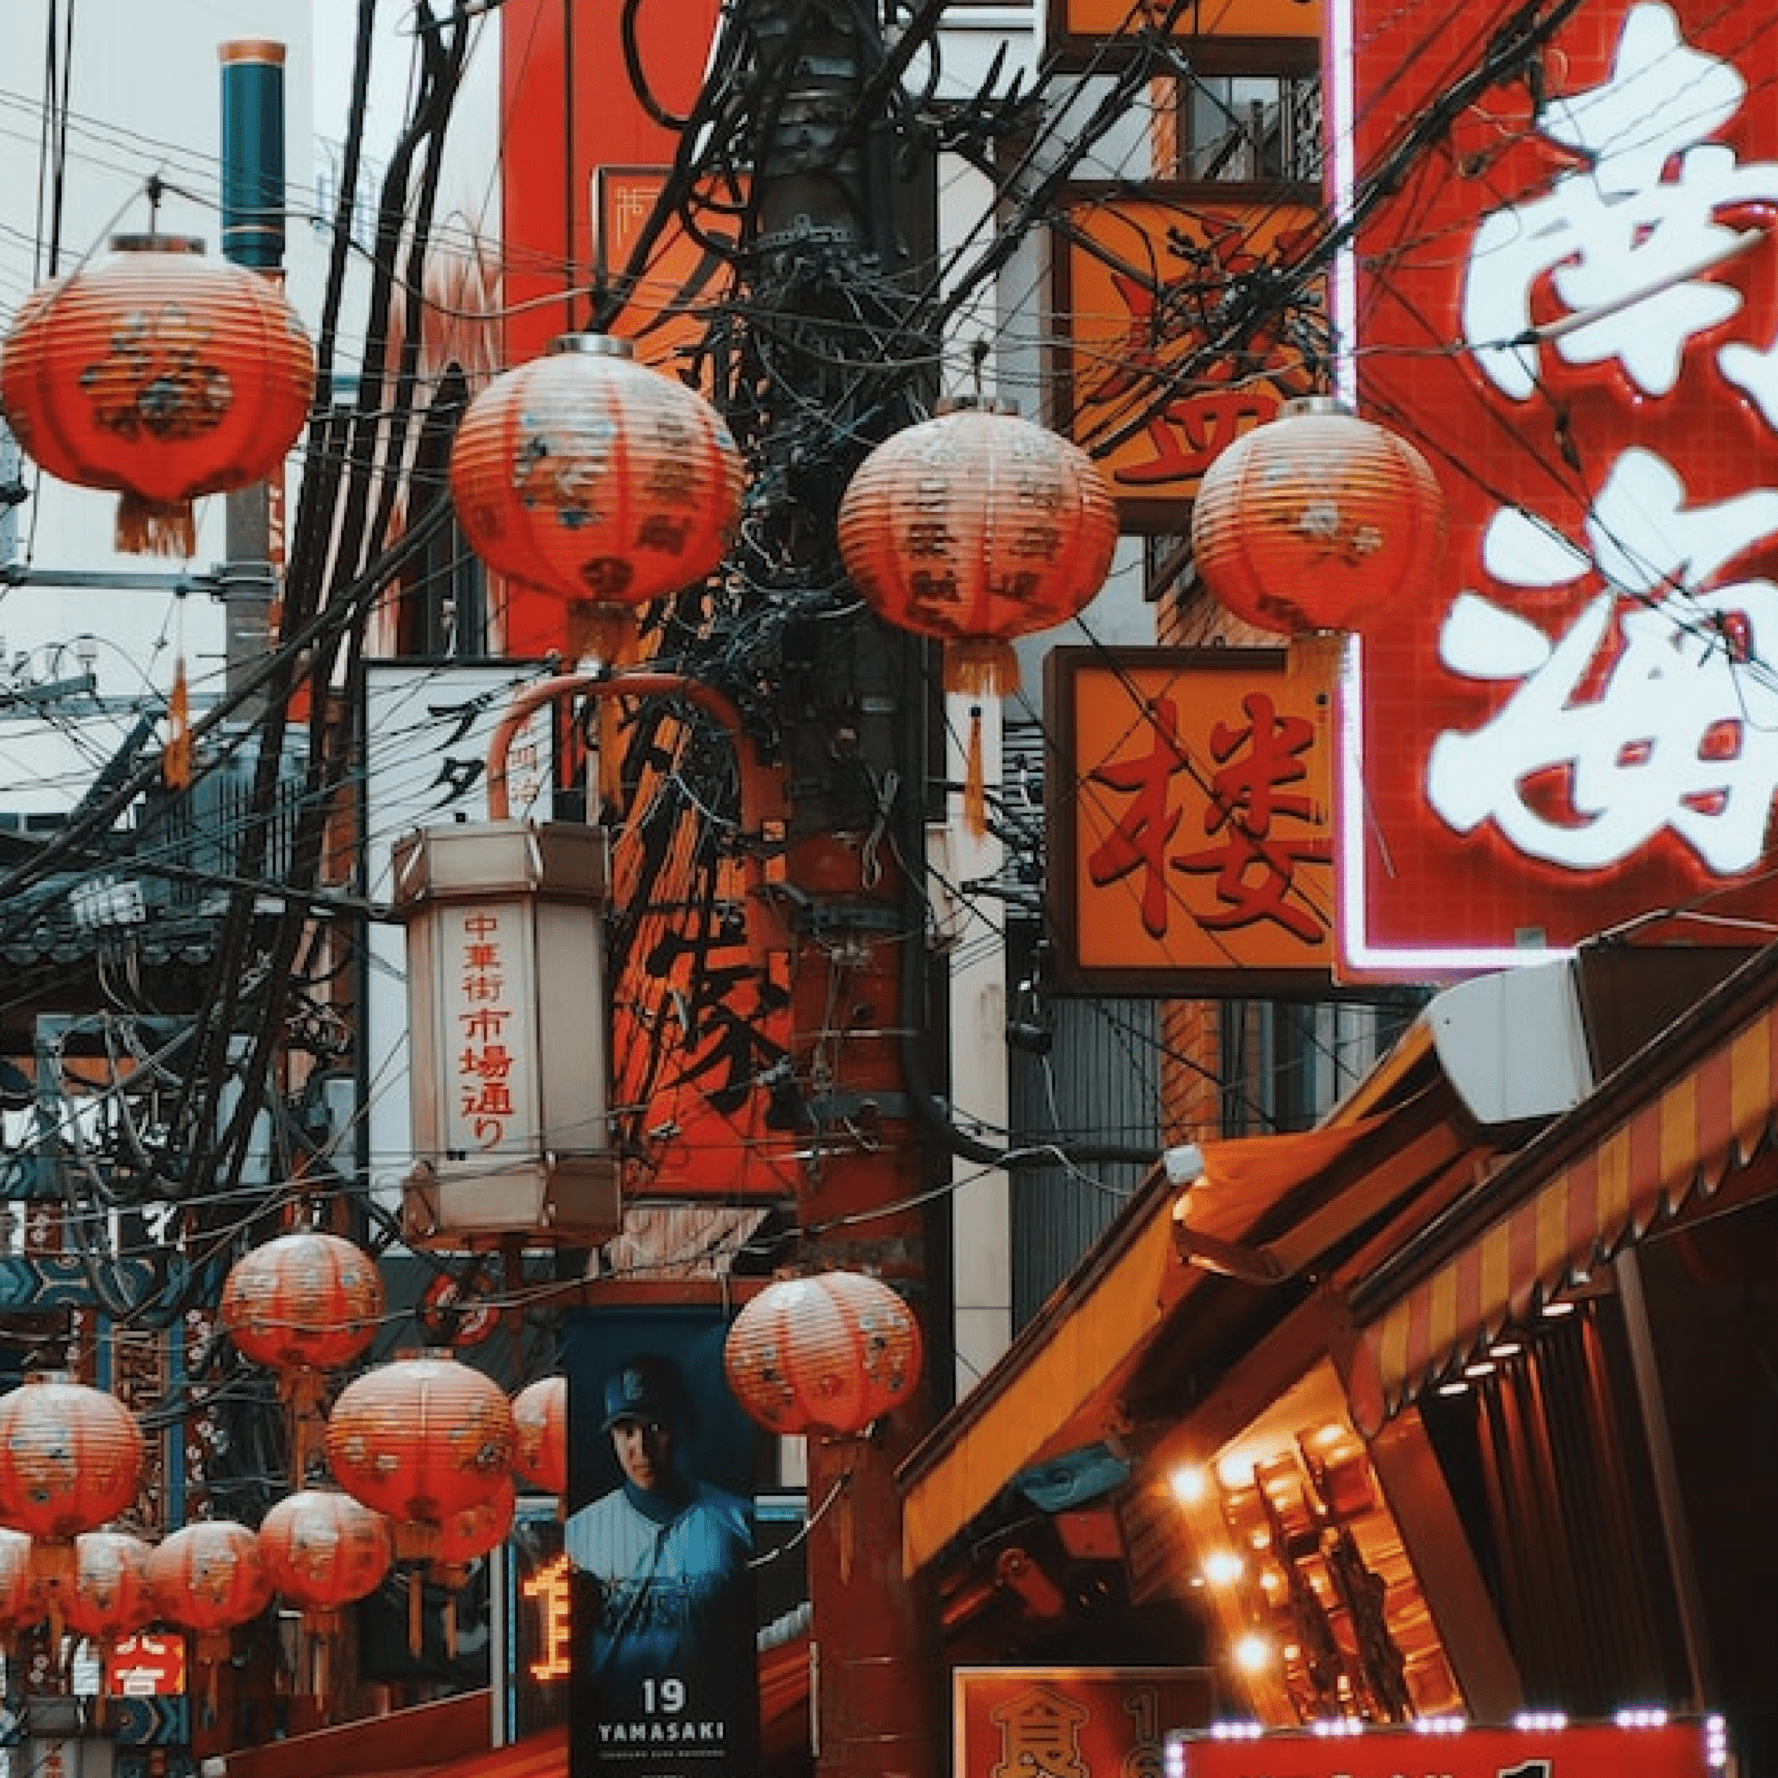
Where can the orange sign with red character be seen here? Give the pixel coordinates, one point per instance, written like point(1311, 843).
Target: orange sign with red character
point(1190, 818)
point(1146, 284)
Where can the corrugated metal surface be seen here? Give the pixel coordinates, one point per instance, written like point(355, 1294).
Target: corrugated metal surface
point(1099, 1083)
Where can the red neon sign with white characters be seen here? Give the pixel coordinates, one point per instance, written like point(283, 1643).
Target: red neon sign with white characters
point(1568, 297)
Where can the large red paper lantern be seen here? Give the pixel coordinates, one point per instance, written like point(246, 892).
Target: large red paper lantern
point(108, 1595)
point(832, 1353)
point(160, 374)
point(323, 1550)
point(420, 1439)
point(22, 1600)
point(977, 527)
point(540, 1423)
point(1317, 520)
point(70, 1460)
point(209, 1576)
point(598, 481)
point(305, 1301)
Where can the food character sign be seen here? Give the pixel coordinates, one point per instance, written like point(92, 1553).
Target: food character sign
point(1570, 301)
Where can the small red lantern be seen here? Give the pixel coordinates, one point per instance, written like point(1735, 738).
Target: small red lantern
point(977, 527)
point(540, 1421)
point(108, 1595)
point(22, 1601)
point(598, 481)
point(209, 1576)
point(420, 1439)
point(833, 1353)
point(161, 374)
point(465, 1537)
point(323, 1550)
point(70, 1460)
point(1317, 520)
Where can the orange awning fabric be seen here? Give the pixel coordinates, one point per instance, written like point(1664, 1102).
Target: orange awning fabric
point(1669, 1124)
point(1055, 1385)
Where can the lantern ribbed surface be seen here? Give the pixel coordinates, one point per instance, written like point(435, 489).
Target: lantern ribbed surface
point(209, 1575)
point(70, 1458)
point(109, 1595)
point(977, 527)
point(421, 1438)
point(540, 1423)
point(833, 1353)
point(323, 1549)
point(306, 1300)
point(464, 1536)
point(596, 479)
point(22, 1601)
point(1318, 520)
point(160, 374)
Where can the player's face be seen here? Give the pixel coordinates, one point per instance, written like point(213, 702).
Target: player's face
point(644, 1450)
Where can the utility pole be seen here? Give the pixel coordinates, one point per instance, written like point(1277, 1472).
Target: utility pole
point(822, 263)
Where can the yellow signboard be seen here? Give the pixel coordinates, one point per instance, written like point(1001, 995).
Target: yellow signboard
point(1161, 378)
point(1190, 819)
point(1203, 18)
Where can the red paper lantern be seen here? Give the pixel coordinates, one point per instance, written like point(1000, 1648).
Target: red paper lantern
point(160, 374)
point(466, 1536)
point(323, 1549)
point(1317, 520)
point(209, 1576)
point(109, 1594)
point(22, 1600)
point(598, 481)
point(977, 527)
point(421, 1439)
point(540, 1422)
point(70, 1458)
point(833, 1353)
point(305, 1302)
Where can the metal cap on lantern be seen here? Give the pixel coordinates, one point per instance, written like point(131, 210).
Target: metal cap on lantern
point(976, 527)
point(597, 481)
point(159, 374)
point(1317, 521)
point(830, 1353)
point(508, 1033)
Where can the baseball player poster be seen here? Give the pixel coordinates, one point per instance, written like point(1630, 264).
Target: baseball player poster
point(659, 1536)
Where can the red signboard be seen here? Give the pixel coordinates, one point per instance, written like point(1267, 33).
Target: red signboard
point(1069, 1722)
point(1548, 1749)
point(1564, 288)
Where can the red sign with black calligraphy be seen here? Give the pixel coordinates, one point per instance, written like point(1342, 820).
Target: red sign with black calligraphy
point(1190, 819)
point(1145, 284)
point(1565, 291)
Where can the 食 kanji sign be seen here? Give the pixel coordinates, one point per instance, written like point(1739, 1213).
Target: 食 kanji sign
point(1567, 295)
point(1190, 819)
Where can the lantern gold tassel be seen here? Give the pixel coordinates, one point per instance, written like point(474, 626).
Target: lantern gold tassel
point(176, 760)
point(979, 668)
point(156, 527)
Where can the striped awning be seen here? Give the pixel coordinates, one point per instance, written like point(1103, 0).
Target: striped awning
point(1670, 1124)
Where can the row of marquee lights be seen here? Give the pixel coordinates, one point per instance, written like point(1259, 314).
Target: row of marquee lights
point(605, 484)
point(426, 1452)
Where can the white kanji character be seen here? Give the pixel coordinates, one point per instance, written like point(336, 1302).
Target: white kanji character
point(1649, 712)
point(1623, 244)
